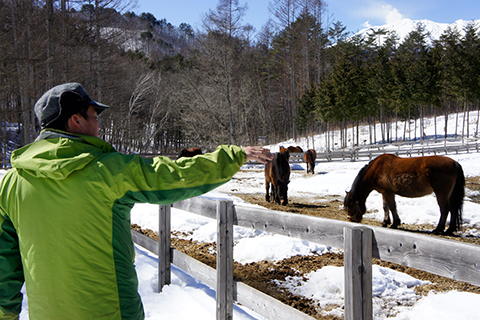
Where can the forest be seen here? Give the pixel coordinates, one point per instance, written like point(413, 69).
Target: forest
point(171, 87)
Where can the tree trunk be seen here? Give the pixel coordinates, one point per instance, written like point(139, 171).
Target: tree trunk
point(49, 58)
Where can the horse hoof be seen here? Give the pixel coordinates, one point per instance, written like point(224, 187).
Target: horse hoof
point(449, 232)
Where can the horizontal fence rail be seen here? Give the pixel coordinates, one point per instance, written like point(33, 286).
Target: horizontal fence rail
point(419, 251)
point(372, 151)
point(366, 152)
point(448, 258)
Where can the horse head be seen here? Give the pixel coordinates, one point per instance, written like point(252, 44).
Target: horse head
point(282, 191)
point(355, 209)
point(285, 152)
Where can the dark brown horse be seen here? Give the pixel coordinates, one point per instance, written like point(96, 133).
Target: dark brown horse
point(189, 152)
point(410, 177)
point(296, 149)
point(310, 157)
point(286, 152)
point(277, 174)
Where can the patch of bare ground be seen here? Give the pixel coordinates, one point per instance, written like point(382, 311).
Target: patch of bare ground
point(261, 275)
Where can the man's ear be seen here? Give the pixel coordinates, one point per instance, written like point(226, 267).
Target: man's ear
point(75, 118)
point(75, 124)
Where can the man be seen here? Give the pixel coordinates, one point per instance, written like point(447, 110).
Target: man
point(65, 211)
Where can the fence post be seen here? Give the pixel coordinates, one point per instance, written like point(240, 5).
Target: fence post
point(358, 273)
point(224, 260)
point(164, 257)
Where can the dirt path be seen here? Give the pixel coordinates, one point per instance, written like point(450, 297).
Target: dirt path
point(261, 275)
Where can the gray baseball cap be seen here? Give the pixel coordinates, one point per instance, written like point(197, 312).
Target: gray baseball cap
point(48, 107)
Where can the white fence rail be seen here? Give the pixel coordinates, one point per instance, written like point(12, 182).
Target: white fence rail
point(447, 258)
point(406, 149)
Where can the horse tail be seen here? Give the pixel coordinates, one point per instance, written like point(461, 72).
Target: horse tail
point(456, 198)
point(310, 159)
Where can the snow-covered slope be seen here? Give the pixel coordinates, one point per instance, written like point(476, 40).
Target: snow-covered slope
point(404, 26)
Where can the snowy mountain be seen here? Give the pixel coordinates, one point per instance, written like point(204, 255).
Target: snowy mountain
point(404, 26)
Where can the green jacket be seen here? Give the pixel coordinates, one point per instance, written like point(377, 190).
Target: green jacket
point(65, 222)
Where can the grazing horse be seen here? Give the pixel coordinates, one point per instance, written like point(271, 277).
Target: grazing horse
point(277, 174)
point(189, 152)
point(310, 157)
point(410, 177)
point(296, 149)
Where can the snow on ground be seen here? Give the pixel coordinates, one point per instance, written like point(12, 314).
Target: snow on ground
point(394, 296)
point(392, 290)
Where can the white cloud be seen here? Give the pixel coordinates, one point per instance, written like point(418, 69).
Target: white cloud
point(391, 14)
point(380, 12)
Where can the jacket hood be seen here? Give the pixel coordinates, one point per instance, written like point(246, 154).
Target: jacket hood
point(56, 154)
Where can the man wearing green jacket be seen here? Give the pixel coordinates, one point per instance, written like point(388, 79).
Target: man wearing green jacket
point(65, 211)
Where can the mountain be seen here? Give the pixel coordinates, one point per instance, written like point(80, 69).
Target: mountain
point(404, 26)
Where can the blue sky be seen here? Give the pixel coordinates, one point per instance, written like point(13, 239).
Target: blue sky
point(352, 13)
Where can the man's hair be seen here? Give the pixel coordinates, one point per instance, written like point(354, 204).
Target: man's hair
point(71, 103)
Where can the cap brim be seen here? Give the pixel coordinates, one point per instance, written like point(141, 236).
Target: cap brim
point(99, 107)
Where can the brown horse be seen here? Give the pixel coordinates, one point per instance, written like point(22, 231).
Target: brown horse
point(286, 152)
point(410, 177)
point(310, 157)
point(296, 149)
point(189, 152)
point(277, 174)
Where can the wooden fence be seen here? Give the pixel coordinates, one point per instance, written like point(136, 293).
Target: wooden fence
point(405, 149)
point(447, 258)
point(369, 152)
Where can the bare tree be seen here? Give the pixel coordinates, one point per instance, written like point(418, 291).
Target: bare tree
point(285, 12)
point(224, 29)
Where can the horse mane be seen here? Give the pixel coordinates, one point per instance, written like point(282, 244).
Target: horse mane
point(281, 165)
point(361, 174)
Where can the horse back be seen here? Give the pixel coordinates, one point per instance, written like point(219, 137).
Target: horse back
point(413, 177)
point(296, 149)
point(392, 164)
point(190, 152)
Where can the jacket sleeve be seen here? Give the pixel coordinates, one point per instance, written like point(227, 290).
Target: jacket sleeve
point(11, 271)
point(164, 181)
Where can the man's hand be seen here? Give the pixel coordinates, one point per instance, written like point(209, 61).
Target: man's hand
point(258, 154)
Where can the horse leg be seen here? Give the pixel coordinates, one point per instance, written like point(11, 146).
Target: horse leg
point(386, 213)
point(453, 223)
point(276, 194)
point(444, 208)
point(267, 194)
point(455, 218)
point(390, 205)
